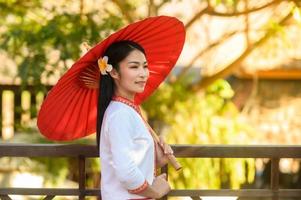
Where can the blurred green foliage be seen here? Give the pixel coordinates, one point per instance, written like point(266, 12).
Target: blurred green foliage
point(31, 33)
point(207, 117)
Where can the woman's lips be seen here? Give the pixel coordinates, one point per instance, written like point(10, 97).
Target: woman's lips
point(142, 83)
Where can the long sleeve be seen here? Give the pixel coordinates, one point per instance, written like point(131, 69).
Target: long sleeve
point(120, 131)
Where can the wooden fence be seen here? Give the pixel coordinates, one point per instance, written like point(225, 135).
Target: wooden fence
point(82, 152)
point(17, 101)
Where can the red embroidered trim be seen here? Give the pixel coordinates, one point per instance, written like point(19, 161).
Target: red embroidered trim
point(139, 189)
point(127, 102)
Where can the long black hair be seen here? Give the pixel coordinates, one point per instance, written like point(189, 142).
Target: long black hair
point(116, 52)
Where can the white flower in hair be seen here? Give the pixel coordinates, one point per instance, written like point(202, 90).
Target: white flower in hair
point(103, 65)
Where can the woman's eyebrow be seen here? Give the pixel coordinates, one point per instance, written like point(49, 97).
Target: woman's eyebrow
point(136, 62)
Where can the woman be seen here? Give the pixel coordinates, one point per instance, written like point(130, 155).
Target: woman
point(101, 93)
point(127, 149)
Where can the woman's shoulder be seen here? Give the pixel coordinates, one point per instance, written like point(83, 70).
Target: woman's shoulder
point(118, 109)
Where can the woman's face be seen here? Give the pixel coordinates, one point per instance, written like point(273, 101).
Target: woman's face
point(132, 75)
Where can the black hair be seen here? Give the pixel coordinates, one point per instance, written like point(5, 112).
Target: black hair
point(116, 52)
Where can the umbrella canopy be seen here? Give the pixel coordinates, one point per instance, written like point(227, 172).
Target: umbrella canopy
point(69, 110)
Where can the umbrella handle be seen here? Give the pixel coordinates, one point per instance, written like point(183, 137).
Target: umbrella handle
point(173, 161)
point(171, 158)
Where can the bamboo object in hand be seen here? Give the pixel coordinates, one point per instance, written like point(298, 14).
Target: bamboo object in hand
point(171, 158)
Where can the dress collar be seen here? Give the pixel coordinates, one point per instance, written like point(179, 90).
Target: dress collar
point(127, 102)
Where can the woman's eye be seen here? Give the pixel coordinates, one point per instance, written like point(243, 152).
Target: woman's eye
point(145, 66)
point(134, 67)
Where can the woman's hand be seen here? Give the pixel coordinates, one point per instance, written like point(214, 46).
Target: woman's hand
point(163, 150)
point(161, 186)
point(157, 189)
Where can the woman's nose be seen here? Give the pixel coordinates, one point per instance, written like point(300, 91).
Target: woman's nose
point(144, 72)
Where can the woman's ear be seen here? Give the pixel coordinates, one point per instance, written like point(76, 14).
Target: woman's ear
point(114, 74)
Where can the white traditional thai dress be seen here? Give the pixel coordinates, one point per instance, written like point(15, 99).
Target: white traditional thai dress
point(127, 153)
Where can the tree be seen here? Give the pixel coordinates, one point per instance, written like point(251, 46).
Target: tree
point(42, 39)
point(230, 9)
point(34, 32)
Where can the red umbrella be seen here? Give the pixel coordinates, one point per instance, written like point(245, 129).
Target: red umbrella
point(70, 108)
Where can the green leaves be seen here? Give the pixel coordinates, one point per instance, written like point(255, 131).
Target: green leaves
point(207, 117)
point(31, 32)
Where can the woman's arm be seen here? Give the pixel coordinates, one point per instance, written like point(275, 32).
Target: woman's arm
point(162, 151)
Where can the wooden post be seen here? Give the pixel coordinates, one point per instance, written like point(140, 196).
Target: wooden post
point(33, 105)
point(17, 109)
point(275, 177)
point(1, 93)
point(82, 177)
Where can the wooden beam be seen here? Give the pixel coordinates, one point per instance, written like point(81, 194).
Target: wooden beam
point(181, 151)
point(273, 74)
point(238, 193)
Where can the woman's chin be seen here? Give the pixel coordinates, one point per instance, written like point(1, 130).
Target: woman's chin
point(140, 90)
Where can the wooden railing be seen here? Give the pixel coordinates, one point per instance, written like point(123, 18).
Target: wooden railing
point(17, 96)
point(275, 153)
